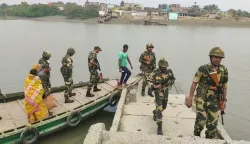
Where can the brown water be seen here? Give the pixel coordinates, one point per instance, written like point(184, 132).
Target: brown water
point(22, 44)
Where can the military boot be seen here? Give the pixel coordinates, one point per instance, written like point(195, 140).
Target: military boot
point(88, 94)
point(143, 92)
point(72, 94)
point(209, 137)
point(159, 130)
point(154, 116)
point(197, 133)
point(67, 100)
point(150, 92)
point(96, 89)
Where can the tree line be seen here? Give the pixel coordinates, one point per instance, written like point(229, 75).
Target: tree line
point(71, 10)
point(235, 13)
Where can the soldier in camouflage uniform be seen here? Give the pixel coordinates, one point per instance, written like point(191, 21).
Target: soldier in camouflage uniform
point(45, 58)
point(44, 76)
point(207, 104)
point(148, 64)
point(160, 79)
point(66, 70)
point(93, 67)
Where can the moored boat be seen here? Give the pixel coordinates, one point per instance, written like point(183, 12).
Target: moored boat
point(15, 128)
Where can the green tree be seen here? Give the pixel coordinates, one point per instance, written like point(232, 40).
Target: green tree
point(3, 8)
point(35, 10)
point(71, 10)
point(211, 7)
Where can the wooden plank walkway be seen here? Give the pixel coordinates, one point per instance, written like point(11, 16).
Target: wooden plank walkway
point(13, 113)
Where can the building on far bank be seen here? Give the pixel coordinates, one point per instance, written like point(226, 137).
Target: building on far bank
point(92, 4)
point(103, 6)
point(59, 5)
point(212, 15)
point(131, 6)
point(173, 15)
point(164, 9)
point(175, 8)
point(153, 11)
point(24, 3)
point(143, 14)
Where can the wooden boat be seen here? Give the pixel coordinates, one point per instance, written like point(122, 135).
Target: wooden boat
point(15, 128)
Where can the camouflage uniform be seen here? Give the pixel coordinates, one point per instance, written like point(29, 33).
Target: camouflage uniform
point(45, 60)
point(163, 77)
point(94, 75)
point(66, 70)
point(147, 68)
point(44, 76)
point(207, 105)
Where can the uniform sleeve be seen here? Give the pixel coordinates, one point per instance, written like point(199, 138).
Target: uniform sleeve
point(49, 84)
point(69, 62)
point(92, 58)
point(41, 61)
point(142, 60)
point(198, 75)
point(64, 61)
point(225, 78)
point(154, 62)
point(43, 79)
point(172, 77)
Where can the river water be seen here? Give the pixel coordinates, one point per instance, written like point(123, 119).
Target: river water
point(186, 47)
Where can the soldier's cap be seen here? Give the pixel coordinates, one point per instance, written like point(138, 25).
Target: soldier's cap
point(97, 48)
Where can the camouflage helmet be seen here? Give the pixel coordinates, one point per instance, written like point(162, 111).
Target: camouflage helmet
point(46, 54)
point(71, 51)
point(217, 51)
point(149, 45)
point(97, 48)
point(163, 63)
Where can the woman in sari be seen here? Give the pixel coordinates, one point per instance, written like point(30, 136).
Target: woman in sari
point(33, 90)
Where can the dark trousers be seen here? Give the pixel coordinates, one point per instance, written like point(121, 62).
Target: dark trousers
point(126, 72)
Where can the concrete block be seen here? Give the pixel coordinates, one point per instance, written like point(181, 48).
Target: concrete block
point(95, 134)
point(116, 120)
point(143, 109)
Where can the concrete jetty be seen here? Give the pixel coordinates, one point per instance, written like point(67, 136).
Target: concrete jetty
point(133, 123)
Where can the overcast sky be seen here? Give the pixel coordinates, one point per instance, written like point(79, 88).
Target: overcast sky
point(223, 4)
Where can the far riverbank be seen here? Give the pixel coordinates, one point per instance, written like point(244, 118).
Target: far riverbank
point(140, 21)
